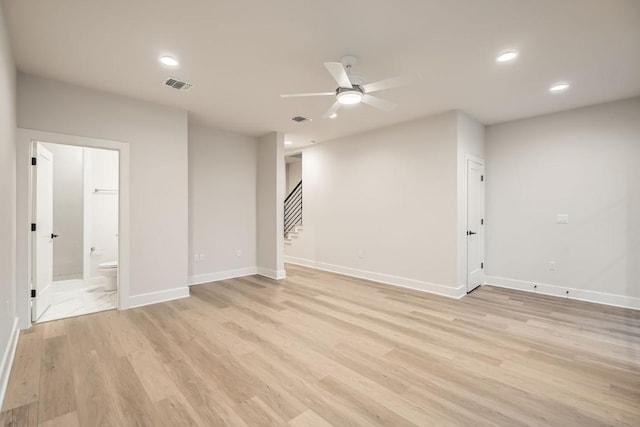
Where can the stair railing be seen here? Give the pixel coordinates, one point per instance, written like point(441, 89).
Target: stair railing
point(293, 209)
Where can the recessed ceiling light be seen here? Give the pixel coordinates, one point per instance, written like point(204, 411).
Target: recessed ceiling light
point(559, 87)
point(506, 56)
point(333, 116)
point(169, 61)
point(288, 143)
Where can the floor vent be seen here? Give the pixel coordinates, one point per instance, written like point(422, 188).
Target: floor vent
point(178, 84)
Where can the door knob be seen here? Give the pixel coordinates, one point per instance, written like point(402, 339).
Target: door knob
point(53, 236)
point(469, 233)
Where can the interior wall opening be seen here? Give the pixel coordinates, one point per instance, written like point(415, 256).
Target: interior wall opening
point(293, 207)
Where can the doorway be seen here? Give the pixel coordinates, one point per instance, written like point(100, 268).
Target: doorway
point(475, 222)
point(293, 200)
point(75, 226)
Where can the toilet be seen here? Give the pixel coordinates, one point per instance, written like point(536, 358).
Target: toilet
point(110, 271)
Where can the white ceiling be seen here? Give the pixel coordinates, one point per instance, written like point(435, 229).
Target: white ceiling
point(242, 54)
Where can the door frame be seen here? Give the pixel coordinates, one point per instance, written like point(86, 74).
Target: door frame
point(25, 139)
point(467, 158)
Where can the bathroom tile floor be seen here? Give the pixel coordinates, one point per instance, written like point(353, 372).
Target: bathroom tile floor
point(73, 298)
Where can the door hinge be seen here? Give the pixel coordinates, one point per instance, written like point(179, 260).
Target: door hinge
point(33, 293)
point(34, 161)
point(482, 265)
point(481, 177)
point(33, 227)
point(481, 221)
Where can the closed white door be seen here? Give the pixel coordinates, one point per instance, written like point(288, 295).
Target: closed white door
point(43, 234)
point(475, 224)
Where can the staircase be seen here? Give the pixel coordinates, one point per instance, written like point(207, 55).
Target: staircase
point(293, 214)
point(292, 234)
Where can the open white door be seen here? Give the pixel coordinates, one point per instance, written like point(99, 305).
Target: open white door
point(43, 234)
point(475, 224)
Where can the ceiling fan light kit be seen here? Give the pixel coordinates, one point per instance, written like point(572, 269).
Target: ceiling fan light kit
point(349, 96)
point(352, 89)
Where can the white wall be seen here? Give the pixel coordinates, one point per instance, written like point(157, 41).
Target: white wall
point(383, 205)
point(222, 203)
point(103, 233)
point(67, 211)
point(157, 137)
point(294, 175)
point(7, 204)
point(584, 163)
point(270, 205)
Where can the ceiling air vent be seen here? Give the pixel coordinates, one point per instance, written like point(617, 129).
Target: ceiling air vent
point(300, 119)
point(178, 84)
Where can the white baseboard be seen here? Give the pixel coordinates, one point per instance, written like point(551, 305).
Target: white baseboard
point(156, 297)
point(272, 274)
point(7, 360)
point(386, 279)
point(222, 275)
point(559, 291)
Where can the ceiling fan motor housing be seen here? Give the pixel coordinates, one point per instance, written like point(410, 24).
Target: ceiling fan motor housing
point(356, 88)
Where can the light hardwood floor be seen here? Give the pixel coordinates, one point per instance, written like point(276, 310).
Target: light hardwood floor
point(320, 349)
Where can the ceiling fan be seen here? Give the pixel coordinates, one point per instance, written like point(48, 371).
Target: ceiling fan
point(351, 88)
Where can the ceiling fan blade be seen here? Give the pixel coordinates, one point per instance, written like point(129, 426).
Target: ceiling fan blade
point(333, 110)
point(339, 74)
point(379, 103)
point(299, 95)
point(387, 84)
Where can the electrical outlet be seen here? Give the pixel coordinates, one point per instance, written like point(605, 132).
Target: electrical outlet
point(562, 219)
point(360, 253)
point(195, 258)
point(201, 258)
point(239, 252)
point(552, 265)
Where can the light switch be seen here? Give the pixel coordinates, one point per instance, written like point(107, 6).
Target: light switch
point(562, 219)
